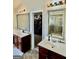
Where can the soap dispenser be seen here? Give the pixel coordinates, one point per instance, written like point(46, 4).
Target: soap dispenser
point(23, 31)
point(49, 38)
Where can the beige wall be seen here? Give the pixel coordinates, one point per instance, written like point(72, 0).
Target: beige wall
point(14, 20)
point(30, 5)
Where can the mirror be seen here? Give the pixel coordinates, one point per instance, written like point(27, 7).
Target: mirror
point(23, 22)
point(56, 23)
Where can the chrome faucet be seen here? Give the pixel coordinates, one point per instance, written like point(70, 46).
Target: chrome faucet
point(61, 41)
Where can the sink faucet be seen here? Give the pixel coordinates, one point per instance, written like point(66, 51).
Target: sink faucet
point(23, 31)
point(61, 41)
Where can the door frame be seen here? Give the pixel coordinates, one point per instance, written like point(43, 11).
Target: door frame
point(32, 18)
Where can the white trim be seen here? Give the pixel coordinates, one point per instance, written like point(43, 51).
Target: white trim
point(37, 11)
point(31, 30)
point(32, 25)
point(23, 12)
point(58, 10)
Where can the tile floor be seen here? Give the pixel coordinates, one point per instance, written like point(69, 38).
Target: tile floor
point(33, 54)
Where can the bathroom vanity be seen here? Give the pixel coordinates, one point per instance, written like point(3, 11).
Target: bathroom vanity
point(22, 40)
point(54, 47)
point(50, 51)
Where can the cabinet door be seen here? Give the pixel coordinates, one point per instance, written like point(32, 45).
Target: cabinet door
point(43, 53)
point(42, 56)
point(53, 55)
point(26, 43)
point(17, 42)
point(47, 54)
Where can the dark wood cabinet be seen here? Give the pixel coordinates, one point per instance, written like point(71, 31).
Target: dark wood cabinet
point(22, 43)
point(54, 55)
point(47, 54)
point(43, 53)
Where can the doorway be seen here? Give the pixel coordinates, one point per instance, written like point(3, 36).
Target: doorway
point(37, 28)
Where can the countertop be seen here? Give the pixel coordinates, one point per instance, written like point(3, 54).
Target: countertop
point(20, 33)
point(59, 48)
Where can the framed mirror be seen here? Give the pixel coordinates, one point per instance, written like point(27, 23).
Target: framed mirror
point(23, 22)
point(56, 23)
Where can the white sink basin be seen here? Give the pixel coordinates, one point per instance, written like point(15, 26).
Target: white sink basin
point(57, 47)
point(20, 33)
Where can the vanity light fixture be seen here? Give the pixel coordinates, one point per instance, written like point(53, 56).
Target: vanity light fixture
point(21, 11)
point(51, 4)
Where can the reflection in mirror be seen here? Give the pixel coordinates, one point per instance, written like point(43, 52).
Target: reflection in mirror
point(23, 22)
point(55, 24)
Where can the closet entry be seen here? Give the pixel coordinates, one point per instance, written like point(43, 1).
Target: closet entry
point(37, 27)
